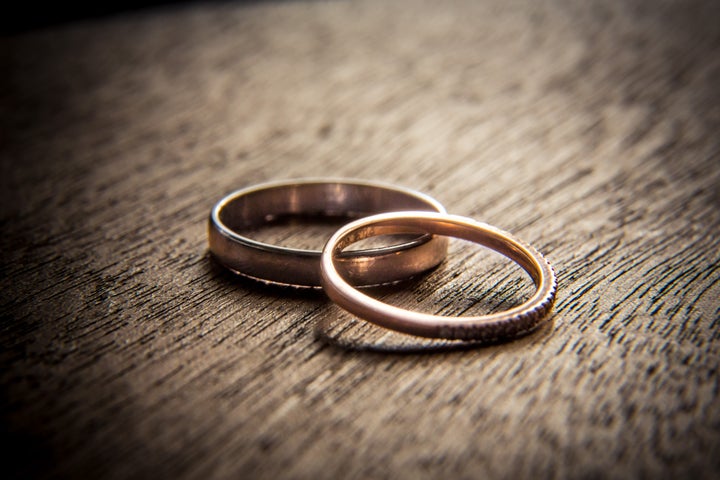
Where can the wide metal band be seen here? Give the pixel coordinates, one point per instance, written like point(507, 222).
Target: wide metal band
point(256, 206)
point(516, 321)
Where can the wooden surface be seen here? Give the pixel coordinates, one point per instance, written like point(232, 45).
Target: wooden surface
point(587, 128)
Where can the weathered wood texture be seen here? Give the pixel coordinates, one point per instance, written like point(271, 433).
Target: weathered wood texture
point(588, 128)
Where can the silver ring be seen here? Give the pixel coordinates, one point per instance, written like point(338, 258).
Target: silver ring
point(513, 322)
point(257, 205)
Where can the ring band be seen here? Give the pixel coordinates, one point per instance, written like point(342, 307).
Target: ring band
point(258, 205)
point(516, 321)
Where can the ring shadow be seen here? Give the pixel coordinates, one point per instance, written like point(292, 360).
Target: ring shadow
point(405, 344)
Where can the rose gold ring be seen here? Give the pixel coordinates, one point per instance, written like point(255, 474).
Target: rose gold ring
point(516, 321)
point(347, 199)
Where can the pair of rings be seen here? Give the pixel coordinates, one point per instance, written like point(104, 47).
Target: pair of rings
point(380, 209)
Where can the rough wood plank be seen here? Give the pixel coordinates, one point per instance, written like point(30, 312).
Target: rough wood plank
point(590, 129)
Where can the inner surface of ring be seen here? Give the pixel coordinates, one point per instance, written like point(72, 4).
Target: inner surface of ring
point(312, 231)
point(484, 238)
point(495, 285)
point(320, 206)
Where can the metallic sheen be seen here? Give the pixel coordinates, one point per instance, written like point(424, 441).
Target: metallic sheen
point(256, 206)
point(516, 321)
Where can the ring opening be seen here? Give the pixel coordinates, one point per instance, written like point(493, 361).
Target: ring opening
point(257, 207)
point(494, 283)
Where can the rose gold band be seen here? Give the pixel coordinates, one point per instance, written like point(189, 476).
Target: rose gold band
point(516, 321)
point(255, 206)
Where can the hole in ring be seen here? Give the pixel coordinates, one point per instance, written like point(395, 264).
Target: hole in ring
point(473, 280)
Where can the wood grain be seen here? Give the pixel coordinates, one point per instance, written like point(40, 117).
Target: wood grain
point(588, 129)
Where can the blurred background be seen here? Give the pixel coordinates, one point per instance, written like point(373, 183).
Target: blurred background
point(587, 128)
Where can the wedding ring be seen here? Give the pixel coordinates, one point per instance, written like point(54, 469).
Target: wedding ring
point(257, 206)
point(513, 322)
